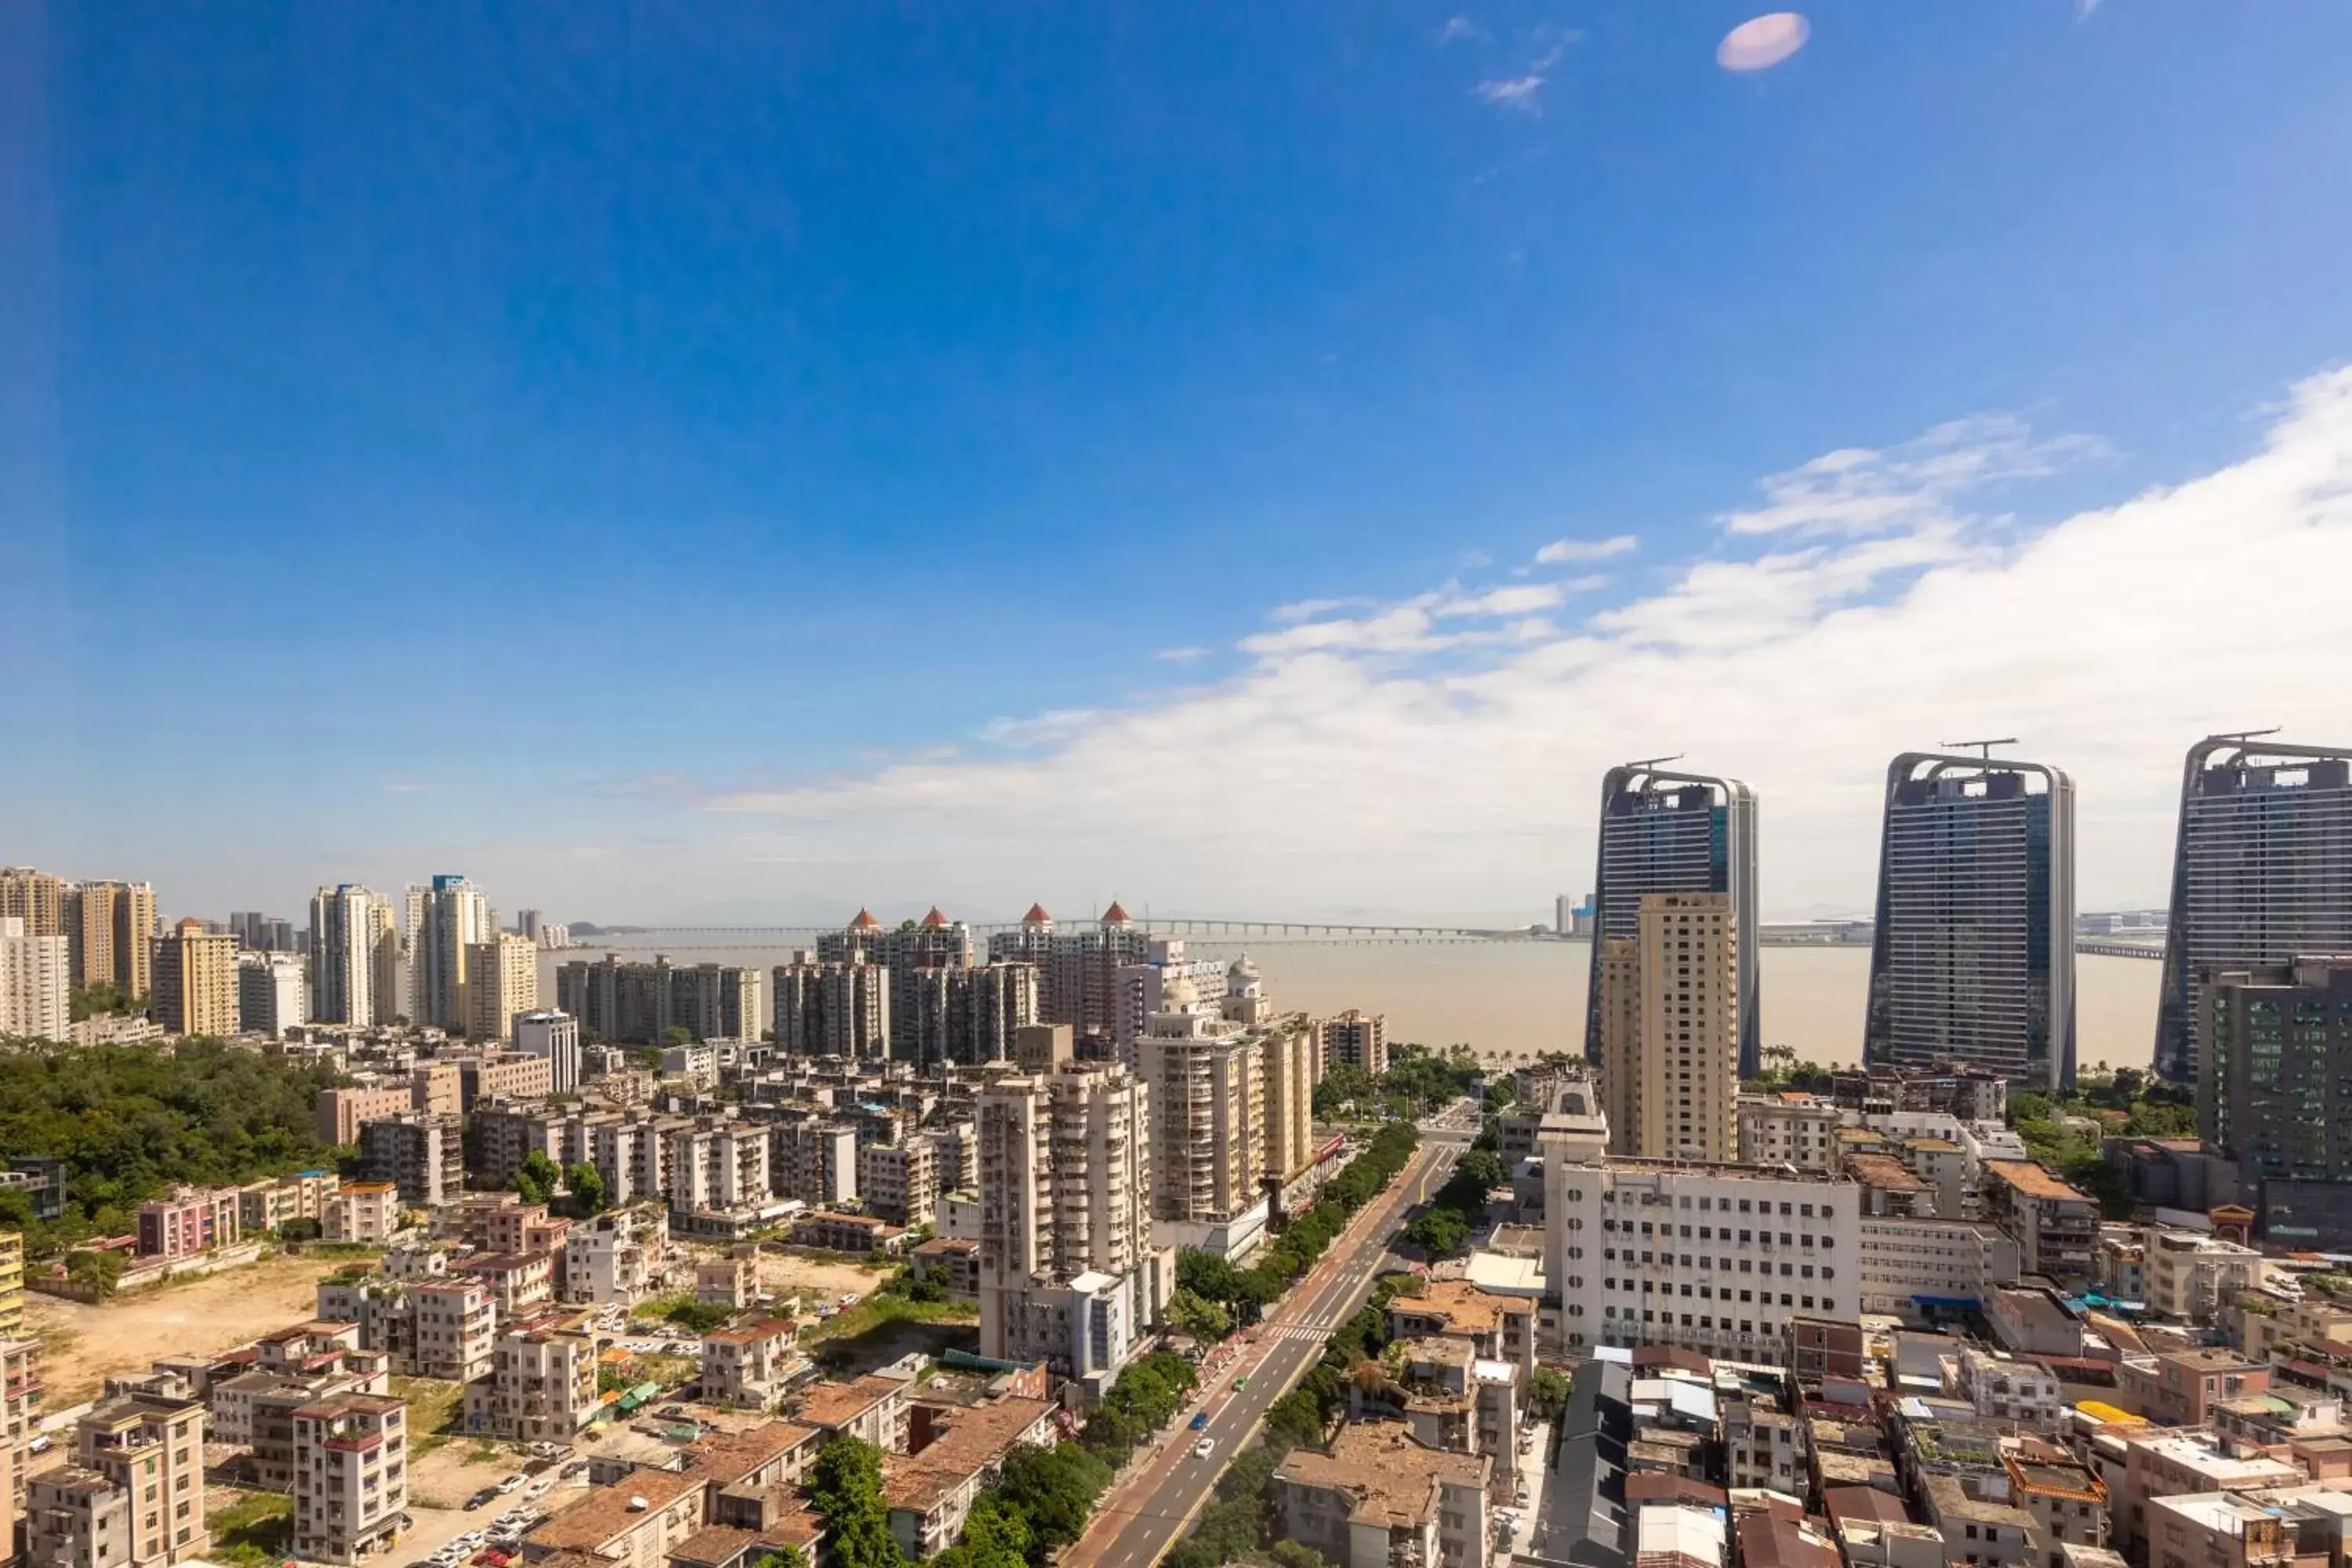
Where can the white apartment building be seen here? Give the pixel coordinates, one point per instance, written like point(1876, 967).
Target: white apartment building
point(351, 1470)
point(361, 1211)
point(1798, 1130)
point(1069, 1273)
point(901, 1181)
point(456, 917)
point(346, 927)
point(501, 983)
point(615, 1257)
point(2011, 1388)
point(541, 1385)
point(1207, 1085)
point(2192, 1276)
point(35, 995)
point(455, 1324)
point(748, 1365)
point(1713, 1257)
point(1164, 982)
point(1670, 1030)
point(715, 1166)
point(1910, 1263)
point(555, 1036)
point(271, 992)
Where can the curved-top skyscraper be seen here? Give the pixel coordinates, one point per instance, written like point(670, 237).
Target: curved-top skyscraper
point(2261, 872)
point(1666, 832)
point(1973, 957)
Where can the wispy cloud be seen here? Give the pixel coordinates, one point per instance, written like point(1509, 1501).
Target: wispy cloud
point(1561, 551)
point(1857, 489)
point(403, 786)
point(1042, 728)
point(1521, 94)
point(1181, 655)
point(1873, 599)
point(1307, 609)
point(1457, 30)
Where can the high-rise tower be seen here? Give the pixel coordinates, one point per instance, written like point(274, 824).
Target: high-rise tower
point(1663, 832)
point(1973, 958)
point(2262, 873)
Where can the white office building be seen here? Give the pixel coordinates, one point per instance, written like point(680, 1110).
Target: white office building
point(271, 992)
point(1717, 1257)
point(34, 986)
point(556, 1036)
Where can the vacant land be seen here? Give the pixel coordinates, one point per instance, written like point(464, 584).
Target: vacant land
point(82, 1344)
point(818, 1280)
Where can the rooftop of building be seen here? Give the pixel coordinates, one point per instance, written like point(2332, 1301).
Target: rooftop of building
point(752, 1334)
point(1950, 1497)
point(966, 1439)
point(712, 1546)
point(1768, 1541)
point(2225, 1513)
point(725, 1458)
point(608, 1510)
point(1390, 1478)
point(1463, 1308)
point(839, 1403)
point(2032, 1179)
point(1885, 1172)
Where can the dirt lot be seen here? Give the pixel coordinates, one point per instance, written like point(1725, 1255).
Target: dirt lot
point(81, 1344)
point(784, 1273)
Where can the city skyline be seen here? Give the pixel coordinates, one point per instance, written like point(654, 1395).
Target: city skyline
point(1385, 457)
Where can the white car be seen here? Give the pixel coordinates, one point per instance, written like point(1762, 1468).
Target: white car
point(1204, 1447)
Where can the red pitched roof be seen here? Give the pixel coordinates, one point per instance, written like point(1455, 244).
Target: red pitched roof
point(935, 920)
point(1036, 915)
point(865, 921)
point(1116, 915)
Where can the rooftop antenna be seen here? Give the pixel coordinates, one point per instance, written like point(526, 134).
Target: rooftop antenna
point(2245, 734)
point(1654, 762)
point(1984, 748)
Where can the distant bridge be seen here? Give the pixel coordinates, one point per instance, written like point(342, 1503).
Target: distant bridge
point(690, 939)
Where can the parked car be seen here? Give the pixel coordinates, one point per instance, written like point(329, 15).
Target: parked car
point(42, 1444)
point(486, 1494)
point(1200, 1421)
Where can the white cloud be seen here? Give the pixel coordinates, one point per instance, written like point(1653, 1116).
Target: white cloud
point(1520, 94)
point(403, 786)
point(1307, 609)
point(1181, 654)
point(1565, 550)
point(1516, 601)
point(1457, 28)
point(1516, 94)
point(1043, 729)
point(1404, 758)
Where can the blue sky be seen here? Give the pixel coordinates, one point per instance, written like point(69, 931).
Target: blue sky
point(720, 462)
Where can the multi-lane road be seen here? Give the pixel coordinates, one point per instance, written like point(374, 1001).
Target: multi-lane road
point(1150, 1509)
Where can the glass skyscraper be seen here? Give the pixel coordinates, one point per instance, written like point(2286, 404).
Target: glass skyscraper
point(1973, 957)
point(1666, 832)
point(2262, 873)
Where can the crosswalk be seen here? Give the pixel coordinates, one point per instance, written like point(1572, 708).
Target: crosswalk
point(1316, 1329)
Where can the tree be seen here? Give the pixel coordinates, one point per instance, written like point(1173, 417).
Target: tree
point(1547, 1392)
point(1203, 1320)
point(1483, 1167)
point(587, 1184)
point(1298, 1554)
point(1440, 1231)
point(678, 1035)
point(785, 1557)
point(536, 1178)
point(1053, 1491)
point(846, 1490)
